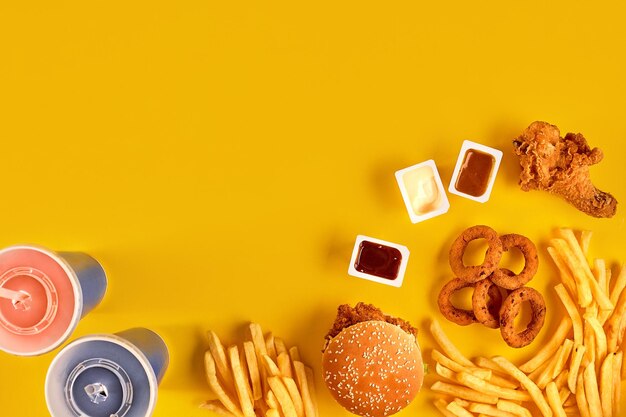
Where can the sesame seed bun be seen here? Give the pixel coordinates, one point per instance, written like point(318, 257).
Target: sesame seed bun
point(373, 368)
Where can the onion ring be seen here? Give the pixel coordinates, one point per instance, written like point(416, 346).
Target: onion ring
point(486, 302)
point(449, 311)
point(475, 273)
point(531, 262)
point(511, 308)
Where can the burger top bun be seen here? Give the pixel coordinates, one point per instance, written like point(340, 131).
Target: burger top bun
point(373, 368)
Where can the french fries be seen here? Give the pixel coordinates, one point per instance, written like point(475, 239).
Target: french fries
point(513, 408)
point(606, 386)
point(578, 371)
point(241, 383)
point(549, 348)
point(463, 392)
point(572, 310)
point(248, 382)
point(447, 345)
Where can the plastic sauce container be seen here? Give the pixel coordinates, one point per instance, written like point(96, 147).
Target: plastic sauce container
point(422, 191)
point(475, 171)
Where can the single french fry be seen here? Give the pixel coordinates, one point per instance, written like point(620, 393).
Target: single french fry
point(612, 325)
point(589, 342)
point(617, 380)
point(444, 372)
point(216, 387)
point(572, 311)
point(550, 347)
point(581, 397)
point(463, 392)
point(577, 356)
point(301, 378)
point(606, 386)
point(456, 409)
point(513, 408)
point(294, 353)
point(246, 372)
point(583, 289)
point(619, 285)
point(441, 405)
point(561, 379)
point(270, 366)
point(282, 396)
point(620, 333)
point(487, 363)
point(284, 364)
point(591, 390)
point(271, 400)
point(447, 346)
point(566, 276)
point(296, 398)
point(219, 355)
point(584, 240)
point(241, 383)
point(256, 335)
point(311, 384)
point(600, 337)
point(502, 382)
point(490, 389)
point(217, 407)
point(489, 410)
point(527, 383)
point(456, 367)
point(564, 394)
point(554, 400)
point(463, 403)
point(269, 346)
point(599, 273)
point(279, 345)
point(562, 357)
point(253, 369)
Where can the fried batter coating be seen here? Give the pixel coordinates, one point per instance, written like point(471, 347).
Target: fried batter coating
point(347, 316)
point(561, 166)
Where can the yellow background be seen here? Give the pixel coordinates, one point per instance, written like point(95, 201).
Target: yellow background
point(219, 157)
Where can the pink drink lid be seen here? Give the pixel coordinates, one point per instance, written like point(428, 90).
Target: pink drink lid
point(46, 302)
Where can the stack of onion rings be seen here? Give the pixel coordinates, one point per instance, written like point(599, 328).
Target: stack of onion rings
point(492, 303)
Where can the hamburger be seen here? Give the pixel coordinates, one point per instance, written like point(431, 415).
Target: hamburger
point(371, 363)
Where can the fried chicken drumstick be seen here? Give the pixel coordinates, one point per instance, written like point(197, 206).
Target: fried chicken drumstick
point(561, 166)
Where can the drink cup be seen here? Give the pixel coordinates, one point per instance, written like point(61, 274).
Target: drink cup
point(43, 296)
point(107, 375)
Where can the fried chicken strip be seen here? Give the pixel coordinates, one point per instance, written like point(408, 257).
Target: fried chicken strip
point(561, 166)
point(348, 316)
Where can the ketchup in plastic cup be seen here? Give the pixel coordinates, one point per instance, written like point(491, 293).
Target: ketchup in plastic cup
point(43, 296)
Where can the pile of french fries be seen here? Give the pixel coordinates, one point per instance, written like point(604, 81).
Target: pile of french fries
point(578, 372)
point(262, 379)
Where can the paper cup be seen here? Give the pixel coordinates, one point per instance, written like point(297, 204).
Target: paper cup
point(51, 293)
point(107, 375)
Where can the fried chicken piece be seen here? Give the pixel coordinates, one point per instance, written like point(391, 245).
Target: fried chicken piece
point(561, 166)
point(348, 316)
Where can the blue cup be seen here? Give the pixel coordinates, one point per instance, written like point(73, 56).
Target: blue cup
point(107, 375)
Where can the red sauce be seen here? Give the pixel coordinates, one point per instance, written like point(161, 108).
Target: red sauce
point(475, 172)
point(379, 260)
